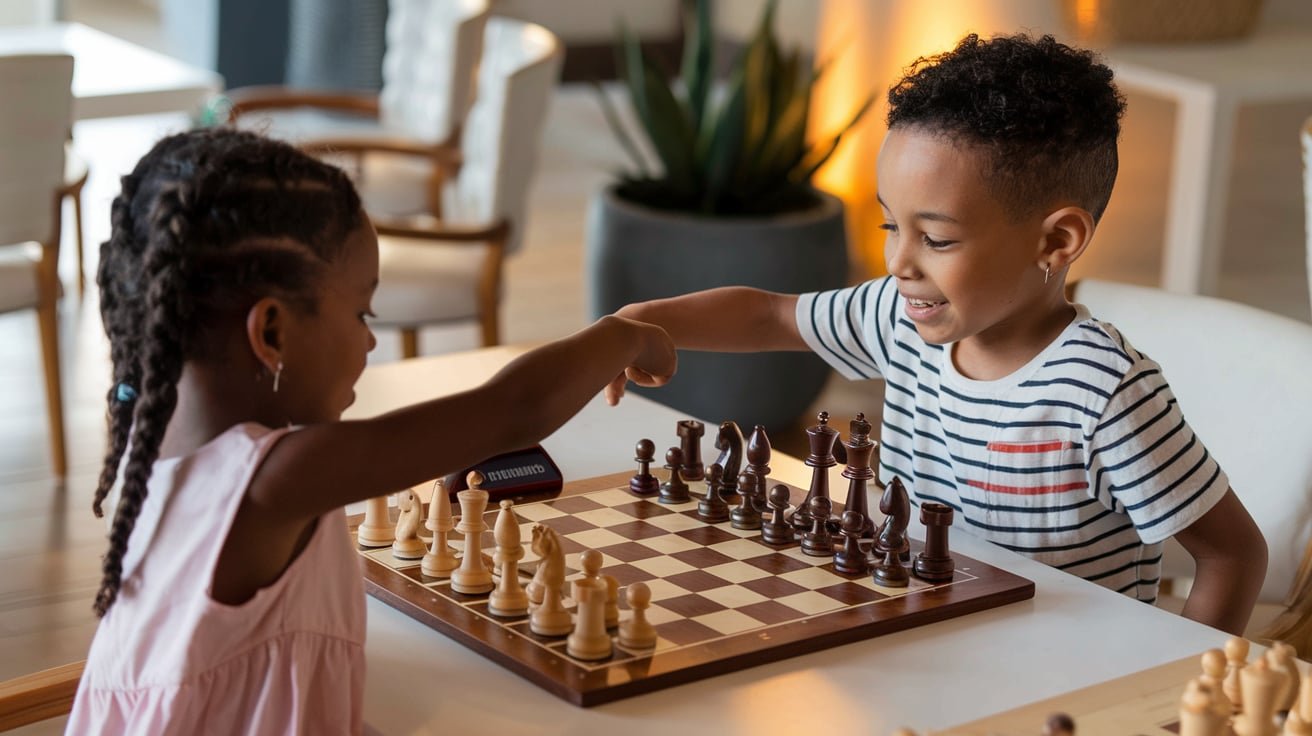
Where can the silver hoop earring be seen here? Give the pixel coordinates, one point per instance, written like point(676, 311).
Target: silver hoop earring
point(277, 376)
point(1047, 271)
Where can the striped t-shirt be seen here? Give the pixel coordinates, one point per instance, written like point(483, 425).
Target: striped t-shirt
point(1081, 459)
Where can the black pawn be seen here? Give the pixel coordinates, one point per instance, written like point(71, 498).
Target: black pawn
point(746, 515)
point(644, 483)
point(777, 530)
point(818, 542)
point(713, 508)
point(851, 560)
point(674, 490)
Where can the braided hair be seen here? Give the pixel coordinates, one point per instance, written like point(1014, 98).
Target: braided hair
point(209, 222)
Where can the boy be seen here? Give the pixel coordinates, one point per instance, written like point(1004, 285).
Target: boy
point(1044, 429)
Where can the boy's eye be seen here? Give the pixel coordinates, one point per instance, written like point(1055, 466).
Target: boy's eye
point(889, 227)
point(367, 315)
point(932, 243)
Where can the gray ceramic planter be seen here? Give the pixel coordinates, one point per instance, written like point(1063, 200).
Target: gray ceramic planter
point(635, 254)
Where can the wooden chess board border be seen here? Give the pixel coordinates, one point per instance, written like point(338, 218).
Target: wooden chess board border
point(589, 685)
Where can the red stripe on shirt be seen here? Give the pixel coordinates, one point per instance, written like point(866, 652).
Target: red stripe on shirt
point(1048, 446)
point(1028, 490)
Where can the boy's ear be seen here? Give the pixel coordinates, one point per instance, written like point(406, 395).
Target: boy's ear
point(266, 324)
point(1066, 234)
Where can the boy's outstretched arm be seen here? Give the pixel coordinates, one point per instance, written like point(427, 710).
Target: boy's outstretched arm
point(1230, 554)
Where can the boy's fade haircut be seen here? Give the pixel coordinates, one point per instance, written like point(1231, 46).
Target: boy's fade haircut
point(1047, 116)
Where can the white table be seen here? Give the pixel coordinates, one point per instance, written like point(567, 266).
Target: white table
point(1209, 82)
point(112, 77)
point(1071, 635)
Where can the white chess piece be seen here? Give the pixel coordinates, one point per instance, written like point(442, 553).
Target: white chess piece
point(1201, 713)
point(637, 632)
point(590, 639)
point(407, 545)
point(376, 529)
point(441, 559)
point(549, 618)
point(1299, 722)
point(1236, 655)
point(472, 577)
point(1213, 662)
point(509, 598)
point(1260, 686)
point(1283, 659)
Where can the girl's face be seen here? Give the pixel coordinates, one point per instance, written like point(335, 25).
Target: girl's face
point(331, 345)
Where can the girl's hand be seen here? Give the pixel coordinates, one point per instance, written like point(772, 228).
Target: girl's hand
point(654, 364)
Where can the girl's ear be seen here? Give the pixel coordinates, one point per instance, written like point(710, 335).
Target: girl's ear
point(266, 323)
point(1066, 234)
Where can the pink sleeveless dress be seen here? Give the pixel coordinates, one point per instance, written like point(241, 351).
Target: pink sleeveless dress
point(168, 659)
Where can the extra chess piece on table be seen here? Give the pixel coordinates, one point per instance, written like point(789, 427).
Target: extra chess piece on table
point(729, 441)
point(636, 632)
point(407, 545)
point(590, 639)
point(644, 483)
point(1260, 686)
point(549, 617)
point(1213, 663)
point(713, 508)
point(851, 559)
point(1059, 724)
point(746, 516)
point(777, 530)
point(892, 540)
point(1201, 713)
point(821, 438)
point(674, 490)
point(1236, 656)
point(441, 559)
point(472, 577)
point(934, 563)
point(818, 542)
point(758, 462)
point(376, 529)
point(690, 433)
point(509, 598)
point(859, 472)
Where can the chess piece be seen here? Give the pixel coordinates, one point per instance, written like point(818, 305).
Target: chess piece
point(590, 640)
point(892, 539)
point(821, 438)
point(758, 462)
point(1213, 663)
point(934, 563)
point(1200, 712)
point(1236, 654)
point(690, 433)
point(441, 559)
point(729, 441)
point(746, 515)
point(376, 529)
point(1260, 686)
point(636, 632)
point(509, 598)
point(674, 490)
point(1299, 720)
point(859, 472)
point(777, 530)
point(851, 559)
point(644, 483)
point(612, 600)
point(817, 542)
point(406, 544)
point(549, 617)
point(1282, 657)
point(472, 577)
point(1059, 724)
point(713, 508)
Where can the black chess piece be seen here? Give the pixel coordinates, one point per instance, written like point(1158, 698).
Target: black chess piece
point(729, 441)
point(851, 559)
point(758, 462)
point(777, 530)
point(674, 490)
point(934, 563)
point(892, 540)
point(713, 508)
point(644, 483)
point(690, 433)
point(746, 515)
point(821, 437)
point(818, 542)
point(859, 471)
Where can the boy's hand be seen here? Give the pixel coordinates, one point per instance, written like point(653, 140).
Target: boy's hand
point(654, 364)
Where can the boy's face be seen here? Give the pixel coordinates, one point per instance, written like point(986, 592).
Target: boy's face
point(969, 272)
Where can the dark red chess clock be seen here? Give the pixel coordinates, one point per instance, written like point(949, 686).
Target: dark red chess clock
point(527, 472)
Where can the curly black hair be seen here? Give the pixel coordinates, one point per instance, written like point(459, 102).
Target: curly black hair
point(1046, 114)
point(208, 222)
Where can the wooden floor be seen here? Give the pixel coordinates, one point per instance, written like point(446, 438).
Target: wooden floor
point(50, 545)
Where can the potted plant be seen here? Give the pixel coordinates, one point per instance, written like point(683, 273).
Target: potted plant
point(729, 202)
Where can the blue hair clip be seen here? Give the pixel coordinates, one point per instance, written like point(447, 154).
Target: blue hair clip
point(125, 393)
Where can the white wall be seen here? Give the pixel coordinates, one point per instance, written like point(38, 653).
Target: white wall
point(26, 12)
point(590, 21)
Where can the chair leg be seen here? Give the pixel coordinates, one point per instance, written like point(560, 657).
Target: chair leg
point(490, 327)
point(48, 320)
point(77, 231)
point(409, 342)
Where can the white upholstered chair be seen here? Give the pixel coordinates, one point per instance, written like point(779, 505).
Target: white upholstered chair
point(1243, 379)
point(35, 121)
point(448, 269)
point(1306, 137)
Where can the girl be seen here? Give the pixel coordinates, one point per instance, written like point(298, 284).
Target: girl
point(235, 289)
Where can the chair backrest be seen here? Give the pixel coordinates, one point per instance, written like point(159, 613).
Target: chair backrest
point(35, 122)
point(433, 50)
point(1242, 379)
point(1307, 196)
point(516, 78)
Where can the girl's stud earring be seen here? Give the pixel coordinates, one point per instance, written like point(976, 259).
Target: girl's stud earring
point(277, 375)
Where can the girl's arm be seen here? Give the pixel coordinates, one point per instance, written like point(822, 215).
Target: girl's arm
point(1231, 557)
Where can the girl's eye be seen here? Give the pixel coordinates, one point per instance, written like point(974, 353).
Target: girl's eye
point(888, 227)
point(932, 243)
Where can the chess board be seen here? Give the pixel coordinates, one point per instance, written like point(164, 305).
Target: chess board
point(722, 600)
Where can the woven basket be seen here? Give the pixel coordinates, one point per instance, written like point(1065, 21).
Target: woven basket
point(1104, 22)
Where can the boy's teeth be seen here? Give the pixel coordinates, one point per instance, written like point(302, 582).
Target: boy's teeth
point(920, 303)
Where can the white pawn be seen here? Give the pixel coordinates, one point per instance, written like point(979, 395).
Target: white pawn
point(407, 545)
point(441, 559)
point(550, 617)
point(1236, 655)
point(1299, 722)
point(376, 529)
point(509, 599)
point(637, 632)
point(472, 577)
point(612, 601)
point(1282, 659)
point(590, 639)
point(1213, 661)
point(1201, 714)
point(1260, 686)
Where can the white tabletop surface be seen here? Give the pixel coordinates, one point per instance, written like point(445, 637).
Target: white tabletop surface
point(1071, 635)
point(112, 77)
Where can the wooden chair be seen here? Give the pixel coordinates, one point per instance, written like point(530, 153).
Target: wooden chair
point(35, 122)
point(1241, 377)
point(1306, 137)
point(38, 696)
point(448, 268)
